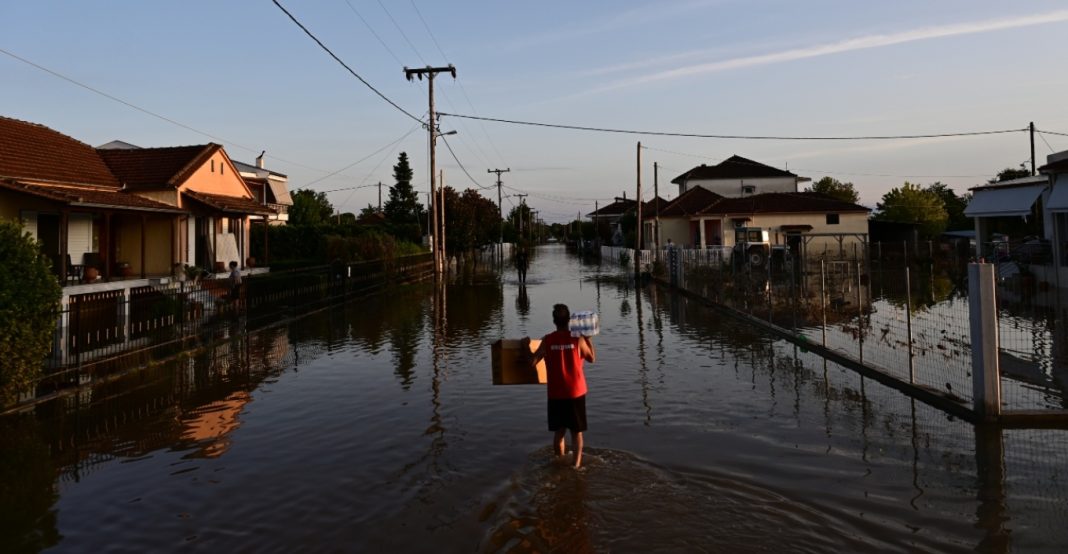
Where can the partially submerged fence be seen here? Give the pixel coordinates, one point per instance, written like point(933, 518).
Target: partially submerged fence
point(99, 333)
point(905, 324)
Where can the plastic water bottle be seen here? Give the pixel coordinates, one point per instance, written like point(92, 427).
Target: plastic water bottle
point(584, 323)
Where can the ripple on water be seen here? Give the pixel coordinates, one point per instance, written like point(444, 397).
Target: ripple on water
point(618, 501)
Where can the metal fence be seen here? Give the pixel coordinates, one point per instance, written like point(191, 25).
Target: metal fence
point(909, 321)
point(99, 333)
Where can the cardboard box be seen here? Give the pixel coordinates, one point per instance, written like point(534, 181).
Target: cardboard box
point(511, 366)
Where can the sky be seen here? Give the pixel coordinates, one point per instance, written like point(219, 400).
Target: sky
point(241, 73)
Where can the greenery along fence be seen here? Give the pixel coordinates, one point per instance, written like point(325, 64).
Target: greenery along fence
point(101, 333)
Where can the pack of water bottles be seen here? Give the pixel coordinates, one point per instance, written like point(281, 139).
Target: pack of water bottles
point(584, 323)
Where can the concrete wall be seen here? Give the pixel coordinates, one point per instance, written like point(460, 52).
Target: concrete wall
point(169, 197)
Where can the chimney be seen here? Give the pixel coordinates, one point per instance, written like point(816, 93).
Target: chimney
point(259, 159)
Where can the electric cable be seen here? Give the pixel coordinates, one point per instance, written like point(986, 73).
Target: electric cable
point(733, 137)
point(343, 64)
point(404, 136)
point(458, 162)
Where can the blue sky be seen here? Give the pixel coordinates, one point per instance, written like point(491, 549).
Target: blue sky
point(243, 73)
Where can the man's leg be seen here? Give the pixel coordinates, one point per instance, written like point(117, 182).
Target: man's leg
point(558, 442)
point(576, 443)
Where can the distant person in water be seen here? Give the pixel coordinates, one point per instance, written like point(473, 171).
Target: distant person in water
point(522, 260)
point(564, 356)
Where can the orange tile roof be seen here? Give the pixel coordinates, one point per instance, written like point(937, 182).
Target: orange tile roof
point(35, 152)
point(230, 204)
point(81, 196)
point(148, 168)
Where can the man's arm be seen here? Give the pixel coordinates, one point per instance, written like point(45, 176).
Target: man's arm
point(538, 354)
point(586, 349)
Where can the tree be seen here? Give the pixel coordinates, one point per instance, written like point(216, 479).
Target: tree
point(310, 208)
point(1009, 174)
point(471, 220)
point(954, 205)
point(835, 189)
point(403, 209)
point(29, 297)
point(913, 204)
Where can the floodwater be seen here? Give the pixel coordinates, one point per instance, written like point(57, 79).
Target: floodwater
point(374, 426)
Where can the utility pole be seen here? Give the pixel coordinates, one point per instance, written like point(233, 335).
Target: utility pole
point(519, 218)
point(432, 129)
point(441, 188)
point(380, 197)
point(500, 211)
point(638, 234)
point(656, 198)
point(1032, 128)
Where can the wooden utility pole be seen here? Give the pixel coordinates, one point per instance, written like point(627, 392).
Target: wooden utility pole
point(1032, 128)
point(380, 197)
point(519, 215)
point(432, 130)
point(638, 233)
point(500, 211)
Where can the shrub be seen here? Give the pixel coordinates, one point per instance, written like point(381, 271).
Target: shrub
point(29, 298)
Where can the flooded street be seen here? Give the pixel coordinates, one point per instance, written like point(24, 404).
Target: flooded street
point(374, 426)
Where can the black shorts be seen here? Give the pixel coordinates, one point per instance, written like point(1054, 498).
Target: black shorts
point(567, 413)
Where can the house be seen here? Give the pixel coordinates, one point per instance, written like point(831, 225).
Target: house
point(121, 210)
point(810, 221)
point(738, 176)
point(269, 188)
point(610, 215)
point(1025, 197)
point(72, 203)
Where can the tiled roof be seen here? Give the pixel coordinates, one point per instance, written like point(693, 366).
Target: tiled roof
point(734, 167)
point(782, 202)
point(148, 168)
point(81, 196)
point(616, 208)
point(35, 152)
point(229, 204)
point(689, 203)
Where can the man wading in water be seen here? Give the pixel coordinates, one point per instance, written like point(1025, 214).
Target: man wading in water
point(563, 355)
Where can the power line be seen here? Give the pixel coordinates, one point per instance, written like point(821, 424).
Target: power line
point(370, 28)
point(412, 130)
point(1047, 132)
point(1041, 136)
point(402, 34)
point(735, 137)
point(830, 171)
point(151, 113)
point(449, 146)
point(343, 64)
point(428, 31)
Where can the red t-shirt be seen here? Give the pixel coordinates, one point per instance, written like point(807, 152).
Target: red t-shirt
point(563, 365)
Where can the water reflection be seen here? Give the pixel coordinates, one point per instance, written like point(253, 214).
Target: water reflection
point(710, 436)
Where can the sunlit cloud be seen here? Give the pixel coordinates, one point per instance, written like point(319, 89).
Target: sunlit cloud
point(849, 45)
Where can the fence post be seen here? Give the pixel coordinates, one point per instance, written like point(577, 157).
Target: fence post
point(823, 300)
point(908, 323)
point(860, 315)
point(983, 315)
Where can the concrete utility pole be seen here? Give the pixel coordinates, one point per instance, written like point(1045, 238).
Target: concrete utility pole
point(500, 211)
point(441, 203)
point(638, 233)
point(380, 197)
point(1032, 128)
point(432, 129)
point(656, 198)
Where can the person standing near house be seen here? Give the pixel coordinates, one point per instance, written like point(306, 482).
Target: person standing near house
point(235, 282)
point(564, 356)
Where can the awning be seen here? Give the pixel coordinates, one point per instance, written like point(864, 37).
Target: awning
point(1003, 201)
point(1058, 199)
point(281, 195)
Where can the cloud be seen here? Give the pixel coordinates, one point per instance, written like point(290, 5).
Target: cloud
point(849, 45)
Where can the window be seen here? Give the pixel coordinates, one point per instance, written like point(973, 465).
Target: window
point(748, 189)
point(213, 166)
point(832, 219)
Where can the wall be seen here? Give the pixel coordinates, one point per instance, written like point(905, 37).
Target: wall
point(849, 223)
point(678, 230)
point(224, 180)
point(169, 197)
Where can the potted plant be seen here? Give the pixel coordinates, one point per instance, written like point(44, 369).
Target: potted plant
point(124, 269)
